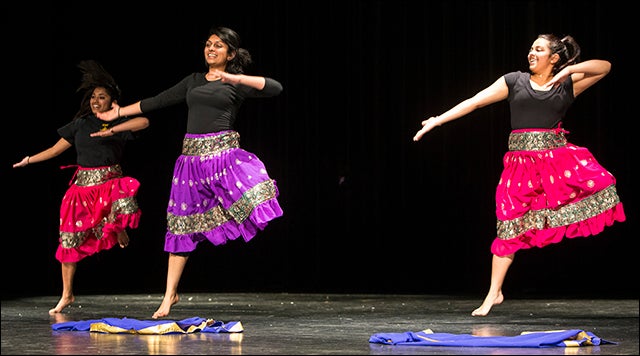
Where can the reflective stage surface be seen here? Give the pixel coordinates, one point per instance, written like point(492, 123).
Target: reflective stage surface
point(320, 324)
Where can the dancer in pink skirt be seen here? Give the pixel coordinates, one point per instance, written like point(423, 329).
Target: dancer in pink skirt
point(549, 188)
point(219, 191)
point(100, 203)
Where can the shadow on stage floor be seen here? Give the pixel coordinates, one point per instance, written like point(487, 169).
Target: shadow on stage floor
point(294, 324)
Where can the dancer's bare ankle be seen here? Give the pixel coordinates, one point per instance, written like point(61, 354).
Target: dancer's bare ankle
point(165, 306)
point(62, 303)
point(487, 304)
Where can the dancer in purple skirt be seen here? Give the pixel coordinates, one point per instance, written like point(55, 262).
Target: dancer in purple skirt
point(219, 191)
point(549, 188)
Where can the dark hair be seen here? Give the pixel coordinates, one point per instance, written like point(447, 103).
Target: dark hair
point(231, 38)
point(567, 48)
point(94, 76)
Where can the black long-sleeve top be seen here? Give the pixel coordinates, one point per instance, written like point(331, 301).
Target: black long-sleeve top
point(213, 106)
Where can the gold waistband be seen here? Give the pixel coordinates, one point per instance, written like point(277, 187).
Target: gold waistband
point(536, 140)
point(89, 177)
point(203, 146)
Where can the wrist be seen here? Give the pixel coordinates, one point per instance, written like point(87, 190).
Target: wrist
point(28, 157)
point(118, 112)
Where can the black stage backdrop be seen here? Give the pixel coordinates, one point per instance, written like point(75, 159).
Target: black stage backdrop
point(366, 209)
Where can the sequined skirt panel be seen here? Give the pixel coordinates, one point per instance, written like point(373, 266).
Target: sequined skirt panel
point(219, 192)
point(99, 204)
point(549, 189)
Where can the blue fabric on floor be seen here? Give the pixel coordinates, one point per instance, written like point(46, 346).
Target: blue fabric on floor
point(555, 338)
point(134, 326)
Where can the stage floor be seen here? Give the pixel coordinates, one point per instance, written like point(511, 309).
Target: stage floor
point(320, 324)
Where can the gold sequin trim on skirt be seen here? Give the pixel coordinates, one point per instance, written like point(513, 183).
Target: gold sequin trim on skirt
point(536, 140)
point(90, 177)
point(204, 146)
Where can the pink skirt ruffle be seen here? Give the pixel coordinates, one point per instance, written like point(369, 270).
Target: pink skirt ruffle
point(545, 195)
point(544, 237)
point(92, 216)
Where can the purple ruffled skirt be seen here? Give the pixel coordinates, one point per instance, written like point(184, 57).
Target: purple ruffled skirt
point(218, 193)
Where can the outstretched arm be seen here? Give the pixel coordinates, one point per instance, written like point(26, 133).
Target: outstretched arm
point(135, 124)
point(120, 111)
point(53, 151)
point(495, 92)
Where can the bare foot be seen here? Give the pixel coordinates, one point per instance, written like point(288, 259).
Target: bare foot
point(123, 239)
point(63, 303)
point(165, 307)
point(489, 302)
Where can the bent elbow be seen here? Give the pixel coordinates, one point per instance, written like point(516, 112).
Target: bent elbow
point(603, 67)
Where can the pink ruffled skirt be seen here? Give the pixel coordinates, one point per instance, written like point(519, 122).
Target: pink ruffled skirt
point(98, 205)
point(219, 192)
point(550, 189)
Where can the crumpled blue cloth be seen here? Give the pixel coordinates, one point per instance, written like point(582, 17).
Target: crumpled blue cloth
point(150, 327)
point(554, 338)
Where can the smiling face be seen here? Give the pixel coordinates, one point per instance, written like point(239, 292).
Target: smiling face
point(540, 58)
point(216, 53)
point(100, 100)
